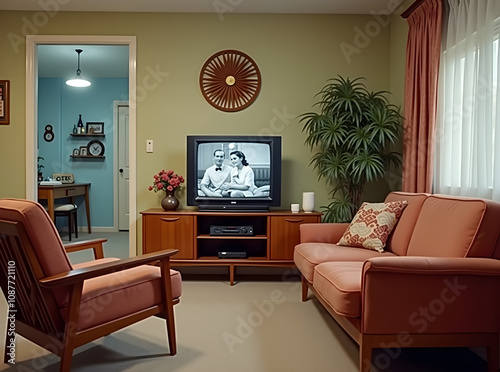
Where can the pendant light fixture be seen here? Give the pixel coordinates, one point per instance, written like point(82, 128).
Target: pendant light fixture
point(78, 81)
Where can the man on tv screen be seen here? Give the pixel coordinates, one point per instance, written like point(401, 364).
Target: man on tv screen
point(215, 176)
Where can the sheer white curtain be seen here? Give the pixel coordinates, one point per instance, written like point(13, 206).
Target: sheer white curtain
point(468, 121)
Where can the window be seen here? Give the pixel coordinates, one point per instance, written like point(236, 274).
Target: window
point(467, 158)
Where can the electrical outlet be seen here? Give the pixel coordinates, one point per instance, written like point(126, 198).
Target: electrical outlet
point(149, 145)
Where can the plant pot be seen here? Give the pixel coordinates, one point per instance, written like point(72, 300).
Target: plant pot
point(170, 202)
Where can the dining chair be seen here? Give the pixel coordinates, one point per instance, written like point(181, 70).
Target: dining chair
point(70, 211)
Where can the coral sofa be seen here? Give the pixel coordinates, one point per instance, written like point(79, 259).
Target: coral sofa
point(436, 284)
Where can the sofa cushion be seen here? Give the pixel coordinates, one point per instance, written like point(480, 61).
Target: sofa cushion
point(453, 227)
point(308, 255)
point(339, 284)
point(401, 234)
point(372, 224)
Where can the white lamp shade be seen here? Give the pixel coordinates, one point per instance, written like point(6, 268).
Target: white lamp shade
point(78, 82)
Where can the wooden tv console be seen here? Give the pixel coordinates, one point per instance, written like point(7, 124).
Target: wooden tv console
point(275, 234)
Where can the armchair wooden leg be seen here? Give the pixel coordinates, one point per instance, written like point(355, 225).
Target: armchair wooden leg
point(304, 289)
point(169, 306)
point(67, 356)
point(71, 328)
point(172, 343)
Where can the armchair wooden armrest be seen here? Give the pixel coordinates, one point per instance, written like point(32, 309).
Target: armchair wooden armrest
point(79, 275)
point(95, 244)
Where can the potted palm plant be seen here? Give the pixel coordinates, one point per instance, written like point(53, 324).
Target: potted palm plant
point(352, 136)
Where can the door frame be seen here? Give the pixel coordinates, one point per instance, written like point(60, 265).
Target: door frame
point(116, 106)
point(32, 41)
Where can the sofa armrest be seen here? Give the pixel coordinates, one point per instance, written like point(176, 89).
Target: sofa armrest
point(420, 295)
point(322, 232)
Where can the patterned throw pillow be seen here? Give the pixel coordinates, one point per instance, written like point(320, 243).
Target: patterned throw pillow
point(372, 225)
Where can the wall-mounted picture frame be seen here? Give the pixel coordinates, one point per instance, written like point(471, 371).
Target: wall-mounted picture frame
point(94, 127)
point(4, 102)
point(76, 152)
point(83, 151)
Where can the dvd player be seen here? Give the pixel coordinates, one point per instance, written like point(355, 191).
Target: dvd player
point(232, 254)
point(216, 230)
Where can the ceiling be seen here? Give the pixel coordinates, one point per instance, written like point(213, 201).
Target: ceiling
point(112, 61)
point(96, 61)
point(214, 6)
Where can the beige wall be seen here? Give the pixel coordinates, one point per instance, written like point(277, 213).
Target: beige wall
point(399, 34)
point(296, 54)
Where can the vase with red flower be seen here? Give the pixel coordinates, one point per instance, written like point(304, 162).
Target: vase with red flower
point(167, 181)
point(170, 201)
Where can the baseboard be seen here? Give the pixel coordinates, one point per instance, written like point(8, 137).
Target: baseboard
point(84, 229)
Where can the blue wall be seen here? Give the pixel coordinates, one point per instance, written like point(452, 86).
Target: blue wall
point(60, 105)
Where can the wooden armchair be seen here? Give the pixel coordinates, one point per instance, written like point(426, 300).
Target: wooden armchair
point(60, 306)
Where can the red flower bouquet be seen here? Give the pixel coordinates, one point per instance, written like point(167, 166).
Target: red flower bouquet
point(166, 181)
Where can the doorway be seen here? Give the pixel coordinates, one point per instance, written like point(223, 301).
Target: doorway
point(121, 202)
point(32, 43)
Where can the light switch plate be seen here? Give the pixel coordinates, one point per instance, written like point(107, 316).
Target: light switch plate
point(149, 145)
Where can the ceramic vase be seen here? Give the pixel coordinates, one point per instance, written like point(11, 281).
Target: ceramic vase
point(170, 202)
point(308, 201)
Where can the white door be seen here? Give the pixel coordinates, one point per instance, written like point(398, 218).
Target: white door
point(123, 168)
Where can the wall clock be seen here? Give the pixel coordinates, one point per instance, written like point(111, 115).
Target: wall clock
point(95, 148)
point(230, 80)
point(49, 134)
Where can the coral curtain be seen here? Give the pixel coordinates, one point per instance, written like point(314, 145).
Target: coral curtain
point(468, 121)
point(420, 100)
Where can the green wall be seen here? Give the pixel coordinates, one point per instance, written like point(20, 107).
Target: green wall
point(296, 54)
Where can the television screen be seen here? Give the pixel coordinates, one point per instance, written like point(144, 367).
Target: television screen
point(234, 172)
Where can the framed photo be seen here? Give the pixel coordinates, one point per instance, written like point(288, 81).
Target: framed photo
point(76, 152)
point(4, 102)
point(95, 127)
point(83, 151)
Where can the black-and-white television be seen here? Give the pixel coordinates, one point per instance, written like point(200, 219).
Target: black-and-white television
point(233, 173)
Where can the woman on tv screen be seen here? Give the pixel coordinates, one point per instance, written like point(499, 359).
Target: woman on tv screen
point(242, 177)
